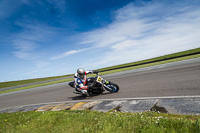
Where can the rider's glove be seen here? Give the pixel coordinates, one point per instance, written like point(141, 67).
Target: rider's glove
point(95, 71)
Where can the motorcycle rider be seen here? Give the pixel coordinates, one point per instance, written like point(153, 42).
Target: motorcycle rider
point(80, 81)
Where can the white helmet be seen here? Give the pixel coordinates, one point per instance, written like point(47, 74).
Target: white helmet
point(81, 72)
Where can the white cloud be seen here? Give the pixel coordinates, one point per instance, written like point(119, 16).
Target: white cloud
point(151, 30)
point(24, 45)
point(124, 45)
point(35, 31)
point(71, 52)
point(24, 49)
point(29, 39)
point(40, 67)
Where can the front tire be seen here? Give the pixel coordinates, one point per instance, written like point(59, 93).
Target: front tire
point(113, 86)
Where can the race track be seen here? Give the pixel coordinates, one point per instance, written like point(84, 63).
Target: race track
point(174, 79)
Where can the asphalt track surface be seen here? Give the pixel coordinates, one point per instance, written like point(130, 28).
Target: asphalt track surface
point(174, 79)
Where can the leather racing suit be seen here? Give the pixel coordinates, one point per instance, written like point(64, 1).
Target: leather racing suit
point(81, 82)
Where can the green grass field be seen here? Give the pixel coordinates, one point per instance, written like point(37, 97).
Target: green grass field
point(153, 59)
point(151, 64)
point(22, 82)
point(37, 85)
point(97, 122)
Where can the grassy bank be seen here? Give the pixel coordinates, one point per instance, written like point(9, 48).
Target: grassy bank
point(153, 59)
point(151, 64)
point(37, 85)
point(92, 122)
point(22, 82)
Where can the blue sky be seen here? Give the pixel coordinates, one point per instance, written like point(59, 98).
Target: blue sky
point(45, 38)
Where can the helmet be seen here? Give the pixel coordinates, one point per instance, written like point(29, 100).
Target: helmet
point(81, 72)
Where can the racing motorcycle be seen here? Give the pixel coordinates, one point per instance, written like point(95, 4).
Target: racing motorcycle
point(98, 85)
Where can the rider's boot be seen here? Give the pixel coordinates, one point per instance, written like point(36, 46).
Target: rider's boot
point(85, 92)
point(77, 91)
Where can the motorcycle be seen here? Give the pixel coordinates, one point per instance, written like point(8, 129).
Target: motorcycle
point(98, 85)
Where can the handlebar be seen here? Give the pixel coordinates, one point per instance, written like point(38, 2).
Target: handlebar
point(97, 73)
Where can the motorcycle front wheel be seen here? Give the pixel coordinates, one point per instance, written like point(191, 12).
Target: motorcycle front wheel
point(113, 86)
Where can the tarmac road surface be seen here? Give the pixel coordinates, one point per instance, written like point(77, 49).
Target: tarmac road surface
point(174, 79)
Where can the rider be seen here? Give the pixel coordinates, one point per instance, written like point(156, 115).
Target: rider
point(80, 81)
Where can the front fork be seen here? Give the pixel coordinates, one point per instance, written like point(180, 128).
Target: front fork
point(106, 83)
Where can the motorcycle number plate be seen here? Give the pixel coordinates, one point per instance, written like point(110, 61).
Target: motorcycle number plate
point(99, 79)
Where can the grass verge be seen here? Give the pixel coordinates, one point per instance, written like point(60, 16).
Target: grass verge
point(37, 85)
point(165, 57)
point(92, 122)
point(152, 64)
point(22, 82)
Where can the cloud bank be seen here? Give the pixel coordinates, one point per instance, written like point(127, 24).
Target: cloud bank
point(30, 38)
point(151, 30)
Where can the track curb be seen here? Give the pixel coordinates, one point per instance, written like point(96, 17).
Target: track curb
point(179, 105)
